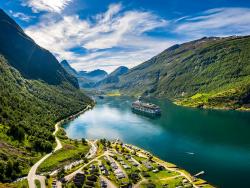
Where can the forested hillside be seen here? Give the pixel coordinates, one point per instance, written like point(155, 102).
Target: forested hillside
point(35, 92)
point(210, 72)
point(28, 112)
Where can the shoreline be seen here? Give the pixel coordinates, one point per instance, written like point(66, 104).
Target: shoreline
point(74, 116)
point(179, 103)
point(241, 109)
point(187, 166)
point(57, 126)
point(168, 165)
point(193, 179)
point(32, 176)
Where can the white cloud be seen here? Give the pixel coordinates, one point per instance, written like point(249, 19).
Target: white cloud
point(121, 37)
point(112, 10)
point(117, 30)
point(101, 37)
point(216, 22)
point(21, 16)
point(109, 60)
point(46, 5)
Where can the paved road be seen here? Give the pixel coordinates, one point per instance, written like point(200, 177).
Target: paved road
point(91, 154)
point(189, 178)
point(32, 173)
point(58, 142)
point(41, 179)
point(92, 150)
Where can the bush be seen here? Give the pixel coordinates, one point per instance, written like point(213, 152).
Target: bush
point(9, 170)
point(84, 142)
point(17, 133)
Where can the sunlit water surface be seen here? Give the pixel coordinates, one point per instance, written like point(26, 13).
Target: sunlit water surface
point(217, 142)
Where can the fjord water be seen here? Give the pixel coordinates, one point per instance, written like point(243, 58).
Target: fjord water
point(217, 142)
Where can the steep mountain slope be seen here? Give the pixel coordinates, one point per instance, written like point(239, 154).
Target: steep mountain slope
point(112, 78)
point(68, 68)
point(85, 79)
point(210, 72)
point(30, 59)
point(35, 92)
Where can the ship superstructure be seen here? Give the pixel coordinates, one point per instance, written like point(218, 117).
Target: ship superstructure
point(146, 108)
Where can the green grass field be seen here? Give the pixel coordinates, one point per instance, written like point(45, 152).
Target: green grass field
point(71, 151)
point(170, 183)
point(20, 184)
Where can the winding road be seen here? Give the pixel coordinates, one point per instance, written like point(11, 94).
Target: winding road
point(91, 154)
point(32, 173)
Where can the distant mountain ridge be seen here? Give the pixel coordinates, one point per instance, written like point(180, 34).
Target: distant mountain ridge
point(95, 75)
point(210, 72)
point(85, 79)
point(112, 78)
point(68, 68)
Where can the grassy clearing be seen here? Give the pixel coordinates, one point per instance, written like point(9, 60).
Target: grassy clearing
point(49, 182)
point(162, 174)
point(20, 184)
point(169, 165)
point(72, 150)
point(139, 159)
point(171, 183)
point(74, 168)
point(115, 93)
point(231, 96)
point(203, 183)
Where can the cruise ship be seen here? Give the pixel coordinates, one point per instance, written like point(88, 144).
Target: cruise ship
point(145, 108)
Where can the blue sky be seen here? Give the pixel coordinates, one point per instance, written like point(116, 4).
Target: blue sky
point(105, 34)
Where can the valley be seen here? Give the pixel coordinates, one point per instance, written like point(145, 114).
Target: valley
point(192, 139)
point(65, 115)
point(211, 72)
point(32, 100)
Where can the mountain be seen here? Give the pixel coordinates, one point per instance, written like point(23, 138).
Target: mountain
point(119, 71)
point(85, 79)
point(30, 59)
point(210, 72)
point(35, 93)
point(95, 75)
point(112, 78)
point(68, 68)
